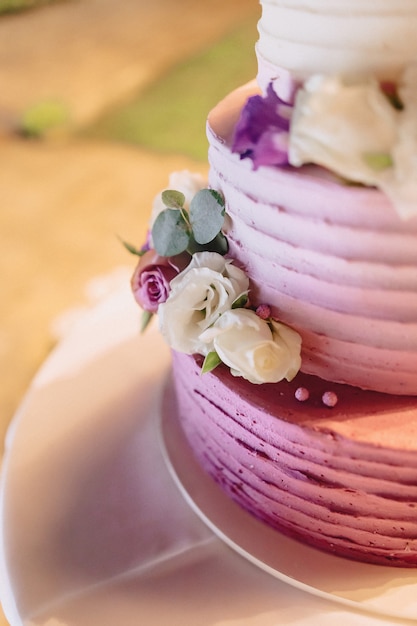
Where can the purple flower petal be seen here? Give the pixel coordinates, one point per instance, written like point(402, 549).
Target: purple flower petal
point(271, 149)
point(262, 129)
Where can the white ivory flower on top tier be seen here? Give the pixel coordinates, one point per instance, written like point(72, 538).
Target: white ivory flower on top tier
point(361, 129)
point(355, 131)
point(344, 127)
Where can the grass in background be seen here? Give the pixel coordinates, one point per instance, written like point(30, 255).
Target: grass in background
point(12, 6)
point(170, 115)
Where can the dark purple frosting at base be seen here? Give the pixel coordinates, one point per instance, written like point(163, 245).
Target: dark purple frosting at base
point(343, 479)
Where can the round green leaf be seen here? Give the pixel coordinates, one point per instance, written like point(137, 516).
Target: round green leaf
point(170, 233)
point(206, 215)
point(218, 244)
point(173, 199)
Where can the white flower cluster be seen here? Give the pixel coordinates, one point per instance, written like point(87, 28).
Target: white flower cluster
point(199, 318)
point(354, 130)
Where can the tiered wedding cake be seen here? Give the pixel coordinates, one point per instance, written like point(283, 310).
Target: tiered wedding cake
point(300, 302)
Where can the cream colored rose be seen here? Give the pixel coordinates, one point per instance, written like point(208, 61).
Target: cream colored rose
point(342, 127)
point(400, 181)
point(187, 183)
point(199, 295)
point(253, 349)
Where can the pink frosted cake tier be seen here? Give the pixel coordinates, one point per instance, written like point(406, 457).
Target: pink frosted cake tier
point(343, 479)
point(334, 261)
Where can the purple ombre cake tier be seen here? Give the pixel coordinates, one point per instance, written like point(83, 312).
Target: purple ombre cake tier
point(333, 261)
point(343, 479)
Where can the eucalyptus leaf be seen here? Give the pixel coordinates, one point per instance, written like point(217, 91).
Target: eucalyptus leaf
point(173, 199)
point(206, 215)
point(218, 244)
point(170, 233)
point(218, 196)
point(194, 247)
point(211, 361)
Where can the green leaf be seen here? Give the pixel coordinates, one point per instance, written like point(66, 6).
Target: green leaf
point(211, 361)
point(194, 247)
point(378, 161)
point(206, 215)
point(146, 318)
point(170, 233)
point(218, 196)
point(240, 302)
point(218, 244)
point(173, 199)
point(132, 249)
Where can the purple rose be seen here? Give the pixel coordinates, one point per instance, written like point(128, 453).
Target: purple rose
point(262, 130)
point(151, 279)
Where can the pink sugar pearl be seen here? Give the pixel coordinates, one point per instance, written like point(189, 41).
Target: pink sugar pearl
point(330, 399)
point(263, 311)
point(302, 394)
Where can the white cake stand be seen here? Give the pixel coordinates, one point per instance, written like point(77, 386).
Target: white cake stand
point(93, 530)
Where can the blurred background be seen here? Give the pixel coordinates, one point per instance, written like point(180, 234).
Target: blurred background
point(99, 101)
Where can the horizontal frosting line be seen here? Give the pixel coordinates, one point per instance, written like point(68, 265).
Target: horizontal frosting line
point(303, 61)
point(398, 338)
point(304, 429)
point(338, 39)
point(304, 193)
point(377, 478)
point(339, 527)
point(354, 43)
point(375, 304)
point(325, 265)
point(348, 509)
point(279, 500)
point(344, 368)
point(305, 197)
point(301, 496)
point(313, 234)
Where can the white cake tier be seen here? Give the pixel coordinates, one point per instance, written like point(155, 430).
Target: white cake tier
point(349, 37)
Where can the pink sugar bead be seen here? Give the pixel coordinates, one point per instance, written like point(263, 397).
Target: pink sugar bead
point(263, 311)
point(302, 394)
point(330, 399)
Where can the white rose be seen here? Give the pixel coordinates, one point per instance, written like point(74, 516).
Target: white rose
point(246, 344)
point(199, 295)
point(400, 181)
point(187, 183)
point(339, 125)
